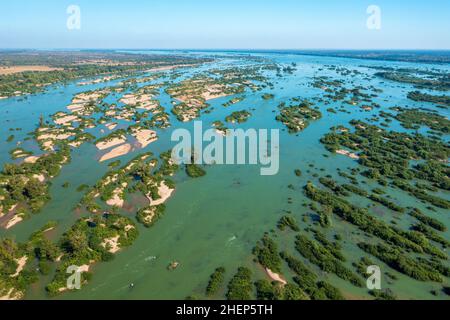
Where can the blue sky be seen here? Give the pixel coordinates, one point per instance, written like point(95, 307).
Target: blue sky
point(237, 24)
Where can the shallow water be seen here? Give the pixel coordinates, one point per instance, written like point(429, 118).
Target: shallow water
point(216, 220)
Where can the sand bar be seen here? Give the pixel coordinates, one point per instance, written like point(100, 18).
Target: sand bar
point(164, 192)
point(275, 276)
point(116, 152)
point(110, 143)
point(348, 154)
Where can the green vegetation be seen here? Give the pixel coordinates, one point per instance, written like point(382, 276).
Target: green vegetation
point(238, 116)
point(435, 224)
point(288, 221)
point(90, 240)
point(399, 261)
point(149, 215)
point(324, 259)
point(195, 171)
point(369, 224)
point(268, 96)
point(215, 281)
point(240, 286)
point(440, 84)
point(271, 291)
point(266, 252)
point(21, 185)
point(296, 117)
point(419, 96)
point(414, 118)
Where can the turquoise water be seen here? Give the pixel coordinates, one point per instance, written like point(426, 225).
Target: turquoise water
point(216, 220)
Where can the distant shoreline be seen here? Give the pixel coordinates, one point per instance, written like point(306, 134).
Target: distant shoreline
point(429, 56)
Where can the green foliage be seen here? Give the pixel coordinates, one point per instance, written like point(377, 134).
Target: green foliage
point(215, 281)
point(194, 171)
point(288, 221)
point(240, 286)
point(324, 259)
point(400, 262)
point(266, 251)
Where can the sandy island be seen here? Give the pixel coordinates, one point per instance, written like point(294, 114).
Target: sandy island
point(13, 221)
point(110, 143)
point(116, 152)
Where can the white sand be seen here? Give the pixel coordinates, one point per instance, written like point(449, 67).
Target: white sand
point(66, 119)
point(13, 221)
point(275, 276)
point(111, 126)
point(31, 159)
point(116, 200)
point(39, 177)
point(110, 143)
point(116, 152)
point(145, 137)
point(164, 192)
point(20, 265)
point(348, 154)
point(112, 243)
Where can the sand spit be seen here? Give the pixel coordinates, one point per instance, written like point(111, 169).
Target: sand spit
point(167, 68)
point(12, 295)
point(20, 265)
point(111, 126)
point(31, 159)
point(116, 152)
point(348, 154)
point(164, 192)
point(99, 80)
point(64, 120)
point(14, 220)
point(145, 136)
point(275, 276)
point(110, 143)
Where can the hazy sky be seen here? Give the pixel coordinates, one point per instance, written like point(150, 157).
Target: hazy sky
point(237, 24)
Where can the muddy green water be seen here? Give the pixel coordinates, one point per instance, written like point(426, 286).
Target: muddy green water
point(216, 220)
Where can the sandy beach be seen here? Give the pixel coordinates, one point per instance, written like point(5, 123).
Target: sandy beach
point(164, 192)
point(145, 137)
point(110, 143)
point(275, 276)
point(116, 152)
point(13, 221)
point(20, 265)
point(31, 159)
point(66, 120)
